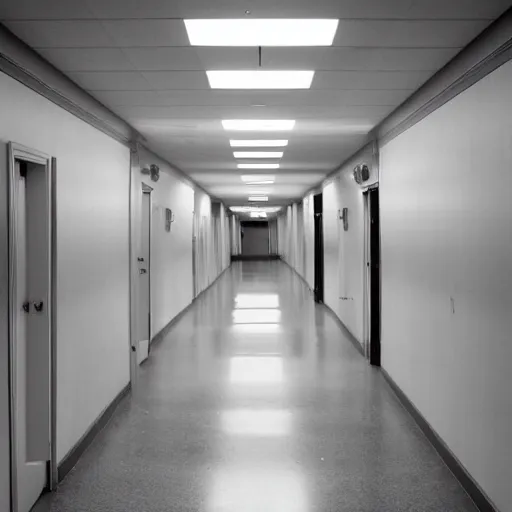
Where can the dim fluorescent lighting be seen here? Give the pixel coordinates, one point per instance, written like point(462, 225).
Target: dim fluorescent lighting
point(258, 166)
point(258, 215)
point(258, 79)
point(237, 143)
point(260, 182)
point(261, 32)
point(249, 209)
point(258, 154)
point(257, 177)
point(258, 124)
point(258, 198)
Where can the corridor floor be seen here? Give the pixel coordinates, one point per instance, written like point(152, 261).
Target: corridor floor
point(256, 401)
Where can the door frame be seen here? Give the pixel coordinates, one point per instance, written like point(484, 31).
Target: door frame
point(146, 189)
point(372, 277)
point(20, 152)
point(318, 226)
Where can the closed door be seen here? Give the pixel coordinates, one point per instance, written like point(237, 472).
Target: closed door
point(31, 343)
point(144, 259)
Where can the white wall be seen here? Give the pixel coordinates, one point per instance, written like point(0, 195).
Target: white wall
point(446, 214)
point(92, 251)
point(171, 252)
point(344, 263)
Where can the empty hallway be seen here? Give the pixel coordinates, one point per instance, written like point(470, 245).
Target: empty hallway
point(256, 401)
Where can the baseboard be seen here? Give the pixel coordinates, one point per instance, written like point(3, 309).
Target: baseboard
point(345, 329)
point(160, 335)
point(241, 257)
point(481, 500)
point(73, 456)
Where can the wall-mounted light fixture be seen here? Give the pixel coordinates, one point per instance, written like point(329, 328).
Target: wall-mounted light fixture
point(153, 171)
point(169, 219)
point(343, 215)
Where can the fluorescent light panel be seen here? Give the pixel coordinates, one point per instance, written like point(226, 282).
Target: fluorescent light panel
point(260, 79)
point(258, 154)
point(258, 166)
point(258, 198)
point(247, 178)
point(258, 215)
point(261, 32)
point(258, 124)
point(249, 209)
point(258, 143)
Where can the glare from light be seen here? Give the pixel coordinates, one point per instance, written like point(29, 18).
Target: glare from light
point(257, 316)
point(258, 198)
point(257, 328)
point(249, 209)
point(256, 370)
point(261, 32)
point(260, 79)
point(257, 422)
point(257, 300)
point(256, 215)
point(258, 166)
point(260, 182)
point(258, 143)
point(258, 124)
point(257, 177)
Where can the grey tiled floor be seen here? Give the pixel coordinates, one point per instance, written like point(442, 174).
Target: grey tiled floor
point(241, 409)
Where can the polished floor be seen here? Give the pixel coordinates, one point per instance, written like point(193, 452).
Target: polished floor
point(256, 401)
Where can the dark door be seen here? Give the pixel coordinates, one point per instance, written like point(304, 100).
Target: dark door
point(319, 249)
point(373, 211)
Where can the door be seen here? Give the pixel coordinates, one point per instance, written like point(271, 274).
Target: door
point(319, 248)
point(255, 242)
point(372, 276)
point(144, 260)
point(30, 340)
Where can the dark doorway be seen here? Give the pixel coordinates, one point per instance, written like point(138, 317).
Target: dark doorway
point(374, 263)
point(255, 239)
point(319, 248)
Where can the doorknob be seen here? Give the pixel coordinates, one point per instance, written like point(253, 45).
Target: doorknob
point(38, 306)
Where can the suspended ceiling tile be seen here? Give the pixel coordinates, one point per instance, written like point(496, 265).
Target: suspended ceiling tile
point(368, 113)
point(110, 80)
point(192, 58)
point(370, 80)
point(168, 32)
point(408, 33)
point(87, 59)
point(133, 98)
point(166, 80)
point(358, 59)
point(47, 9)
point(60, 34)
point(371, 9)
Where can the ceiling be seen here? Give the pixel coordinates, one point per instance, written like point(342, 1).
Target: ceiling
point(134, 56)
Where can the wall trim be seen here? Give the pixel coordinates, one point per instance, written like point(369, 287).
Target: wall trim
point(488, 51)
point(475, 492)
point(73, 456)
point(346, 330)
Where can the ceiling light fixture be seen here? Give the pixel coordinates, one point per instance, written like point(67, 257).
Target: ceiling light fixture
point(258, 124)
point(260, 79)
point(258, 198)
point(248, 209)
point(258, 154)
point(258, 166)
point(258, 215)
point(261, 32)
point(258, 143)
point(264, 182)
point(256, 177)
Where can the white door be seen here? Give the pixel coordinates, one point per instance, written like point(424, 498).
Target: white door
point(30, 476)
point(144, 323)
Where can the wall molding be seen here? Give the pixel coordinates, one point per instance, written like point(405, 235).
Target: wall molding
point(475, 492)
point(73, 456)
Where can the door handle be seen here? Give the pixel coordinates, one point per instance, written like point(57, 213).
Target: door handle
point(26, 306)
point(142, 271)
point(38, 306)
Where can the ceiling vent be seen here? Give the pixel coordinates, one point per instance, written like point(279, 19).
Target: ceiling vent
point(361, 173)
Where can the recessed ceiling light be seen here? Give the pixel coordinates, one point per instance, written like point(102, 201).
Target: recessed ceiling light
point(252, 178)
point(258, 124)
point(259, 215)
point(258, 154)
point(258, 166)
point(267, 182)
point(261, 32)
point(237, 143)
point(258, 198)
point(260, 79)
point(247, 209)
